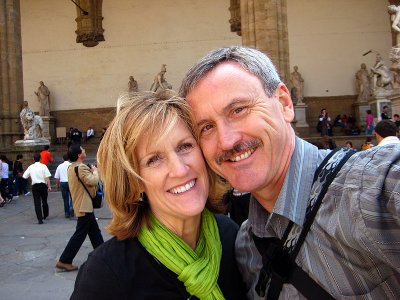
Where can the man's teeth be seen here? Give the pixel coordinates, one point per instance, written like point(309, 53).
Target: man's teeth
point(183, 188)
point(242, 156)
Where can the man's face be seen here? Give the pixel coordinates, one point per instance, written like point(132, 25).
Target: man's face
point(246, 136)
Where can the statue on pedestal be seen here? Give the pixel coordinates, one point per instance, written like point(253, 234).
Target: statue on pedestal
point(43, 95)
point(383, 77)
point(363, 84)
point(159, 81)
point(31, 123)
point(297, 82)
point(132, 85)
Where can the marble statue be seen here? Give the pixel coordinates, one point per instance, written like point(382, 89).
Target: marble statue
point(363, 83)
point(132, 85)
point(31, 123)
point(43, 95)
point(297, 82)
point(383, 77)
point(159, 81)
point(394, 12)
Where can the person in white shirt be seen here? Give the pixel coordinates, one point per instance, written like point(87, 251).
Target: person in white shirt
point(89, 134)
point(61, 177)
point(40, 177)
point(386, 133)
point(4, 190)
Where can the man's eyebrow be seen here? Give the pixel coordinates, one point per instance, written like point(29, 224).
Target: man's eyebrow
point(225, 110)
point(234, 103)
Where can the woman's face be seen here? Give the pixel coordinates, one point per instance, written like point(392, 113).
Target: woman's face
point(176, 180)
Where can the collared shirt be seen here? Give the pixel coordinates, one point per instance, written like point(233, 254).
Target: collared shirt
point(38, 173)
point(389, 140)
point(61, 171)
point(4, 170)
point(353, 246)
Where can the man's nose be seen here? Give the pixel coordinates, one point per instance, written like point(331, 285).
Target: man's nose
point(227, 136)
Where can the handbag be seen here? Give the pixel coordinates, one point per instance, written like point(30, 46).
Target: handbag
point(97, 200)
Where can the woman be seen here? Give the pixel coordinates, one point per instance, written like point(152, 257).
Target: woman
point(369, 123)
point(166, 245)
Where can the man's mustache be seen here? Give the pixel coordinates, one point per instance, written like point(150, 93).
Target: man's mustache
point(240, 147)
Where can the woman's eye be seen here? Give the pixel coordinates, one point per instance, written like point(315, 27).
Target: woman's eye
point(153, 160)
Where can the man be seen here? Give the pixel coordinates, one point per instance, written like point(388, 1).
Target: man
point(89, 133)
point(40, 177)
point(396, 120)
point(83, 207)
point(76, 136)
point(386, 133)
point(61, 177)
point(19, 182)
point(4, 184)
point(46, 156)
point(244, 114)
point(385, 113)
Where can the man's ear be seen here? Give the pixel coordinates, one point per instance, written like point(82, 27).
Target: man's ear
point(284, 98)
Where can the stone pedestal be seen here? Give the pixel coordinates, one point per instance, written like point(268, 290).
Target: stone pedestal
point(300, 114)
point(360, 109)
point(395, 99)
point(28, 148)
point(49, 128)
point(377, 105)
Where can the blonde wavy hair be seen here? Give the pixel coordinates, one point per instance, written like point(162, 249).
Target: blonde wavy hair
point(140, 114)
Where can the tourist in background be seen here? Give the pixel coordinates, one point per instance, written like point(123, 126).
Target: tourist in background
point(46, 156)
point(19, 182)
point(324, 123)
point(5, 176)
point(369, 123)
point(61, 177)
point(386, 133)
point(40, 177)
point(83, 206)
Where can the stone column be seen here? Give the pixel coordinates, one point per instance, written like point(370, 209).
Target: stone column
point(264, 27)
point(11, 83)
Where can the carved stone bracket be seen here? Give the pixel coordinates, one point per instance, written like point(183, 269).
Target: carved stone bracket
point(90, 29)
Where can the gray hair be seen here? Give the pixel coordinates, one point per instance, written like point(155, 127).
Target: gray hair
point(252, 60)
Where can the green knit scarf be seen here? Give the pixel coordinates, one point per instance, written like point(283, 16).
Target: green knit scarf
point(198, 269)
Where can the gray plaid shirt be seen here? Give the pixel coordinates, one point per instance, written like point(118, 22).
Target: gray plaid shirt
point(353, 247)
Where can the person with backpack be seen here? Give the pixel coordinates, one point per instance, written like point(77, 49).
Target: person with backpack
point(322, 224)
point(83, 206)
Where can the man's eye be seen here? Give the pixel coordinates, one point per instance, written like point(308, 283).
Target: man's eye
point(185, 147)
point(238, 110)
point(205, 128)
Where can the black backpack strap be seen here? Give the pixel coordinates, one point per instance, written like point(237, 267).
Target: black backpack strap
point(279, 255)
point(77, 175)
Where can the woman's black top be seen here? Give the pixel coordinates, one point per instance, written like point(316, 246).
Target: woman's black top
point(125, 270)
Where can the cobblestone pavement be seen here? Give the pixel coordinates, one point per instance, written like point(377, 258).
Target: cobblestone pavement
point(29, 251)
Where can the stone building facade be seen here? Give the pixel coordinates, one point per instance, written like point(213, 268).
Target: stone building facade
point(43, 41)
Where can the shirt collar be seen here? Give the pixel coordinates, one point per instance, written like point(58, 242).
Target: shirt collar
point(293, 198)
point(389, 140)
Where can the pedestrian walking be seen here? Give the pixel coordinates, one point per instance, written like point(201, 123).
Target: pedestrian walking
point(40, 177)
point(83, 207)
